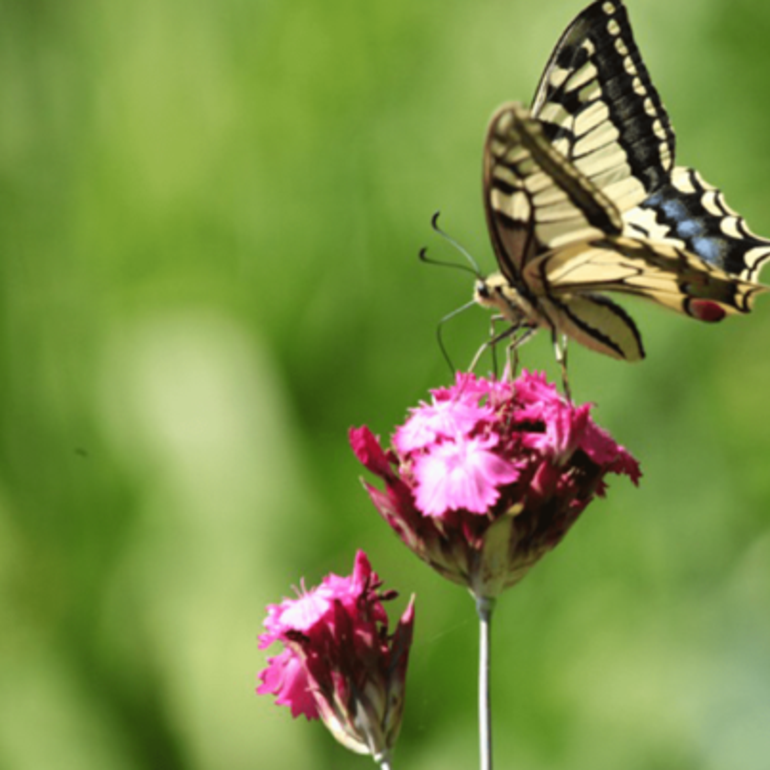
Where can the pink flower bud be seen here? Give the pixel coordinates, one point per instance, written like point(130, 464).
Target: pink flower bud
point(339, 663)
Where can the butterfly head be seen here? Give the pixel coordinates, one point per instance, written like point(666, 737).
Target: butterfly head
point(496, 292)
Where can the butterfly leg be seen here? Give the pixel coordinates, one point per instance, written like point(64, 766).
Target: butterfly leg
point(493, 333)
point(493, 340)
point(560, 348)
point(512, 363)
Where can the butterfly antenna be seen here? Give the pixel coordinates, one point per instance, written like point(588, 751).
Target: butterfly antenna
point(474, 268)
point(458, 246)
point(423, 255)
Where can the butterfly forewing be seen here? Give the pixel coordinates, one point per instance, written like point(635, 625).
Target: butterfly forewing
point(599, 108)
point(535, 199)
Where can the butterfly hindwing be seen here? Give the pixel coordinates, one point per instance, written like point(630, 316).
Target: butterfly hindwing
point(597, 323)
point(600, 109)
point(659, 272)
point(690, 213)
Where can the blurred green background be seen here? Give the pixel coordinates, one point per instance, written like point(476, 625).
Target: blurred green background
point(210, 218)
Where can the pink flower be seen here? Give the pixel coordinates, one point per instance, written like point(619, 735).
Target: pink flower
point(339, 662)
point(490, 476)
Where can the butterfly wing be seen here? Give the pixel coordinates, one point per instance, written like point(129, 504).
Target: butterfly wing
point(535, 199)
point(600, 109)
point(597, 323)
point(659, 272)
point(560, 241)
point(689, 213)
point(582, 196)
point(538, 203)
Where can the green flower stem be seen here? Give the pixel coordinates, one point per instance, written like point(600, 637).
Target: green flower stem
point(484, 607)
point(383, 760)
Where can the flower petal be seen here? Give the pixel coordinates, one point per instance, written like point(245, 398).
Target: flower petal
point(369, 452)
point(428, 423)
point(286, 677)
point(602, 449)
point(459, 475)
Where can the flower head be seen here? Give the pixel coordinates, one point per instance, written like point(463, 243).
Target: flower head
point(489, 476)
point(339, 662)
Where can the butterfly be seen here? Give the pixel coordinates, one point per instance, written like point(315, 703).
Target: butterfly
point(582, 197)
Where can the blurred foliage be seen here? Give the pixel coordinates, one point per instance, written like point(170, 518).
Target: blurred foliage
point(210, 219)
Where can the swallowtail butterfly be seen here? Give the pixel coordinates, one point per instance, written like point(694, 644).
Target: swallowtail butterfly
point(582, 197)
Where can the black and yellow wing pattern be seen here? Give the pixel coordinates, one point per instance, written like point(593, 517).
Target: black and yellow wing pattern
point(600, 109)
point(577, 247)
point(583, 197)
point(602, 112)
point(692, 214)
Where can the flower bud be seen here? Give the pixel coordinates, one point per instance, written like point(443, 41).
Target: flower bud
point(339, 663)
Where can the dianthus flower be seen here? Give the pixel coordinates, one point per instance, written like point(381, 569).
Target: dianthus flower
point(489, 476)
point(339, 662)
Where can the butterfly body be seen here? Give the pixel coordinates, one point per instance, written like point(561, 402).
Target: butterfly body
point(579, 316)
point(582, 197)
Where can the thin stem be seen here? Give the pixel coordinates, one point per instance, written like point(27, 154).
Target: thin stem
point(383, 760)
point(484, 607)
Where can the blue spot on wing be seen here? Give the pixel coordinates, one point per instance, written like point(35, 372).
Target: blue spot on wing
point(709, 249)
point(677, 213)
point(688, 221)
point(684, 217)
point(690, 228)
point(675, 210)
